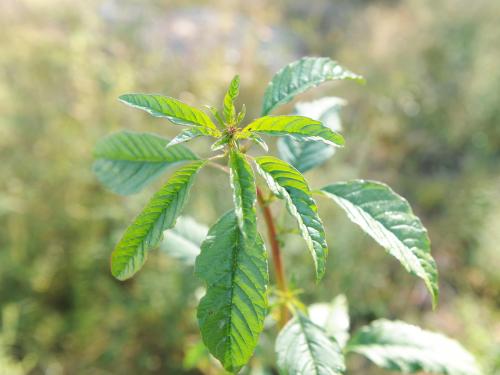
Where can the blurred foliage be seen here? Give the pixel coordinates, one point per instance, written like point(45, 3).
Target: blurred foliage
point(427, 123)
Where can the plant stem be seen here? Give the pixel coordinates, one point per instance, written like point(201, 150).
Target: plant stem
point(276, 254)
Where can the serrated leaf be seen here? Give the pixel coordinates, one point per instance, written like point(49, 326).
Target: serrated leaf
point(231, 314)
point(302, 128)
point(146, 230)
point(406, 348)
point(183, 241)
point(229, 99)
point(176, 111)
point(257, 139)
point(303, 348)
point(300, 76)
point(185, 136)
point(287, 183)
point(128, 161)
point(305, 155)
point(389, 220)
point(333, 317)
point(244, 193)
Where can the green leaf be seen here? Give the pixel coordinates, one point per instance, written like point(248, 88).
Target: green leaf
point(128, 161)
point(244, 193)
point(215, 112)
point(287, 183)
point(303, 348)
point(220, 143)
point(231, 314)
point(183, 241)
point(389, 220)
point(146, 230)
point(229, 99)
point(257, 139)
point(305, 155)
point(333, 317)
point(406, 348)
point(185, 136)
point(176, 111)
point(300, 76)
point(302, 128)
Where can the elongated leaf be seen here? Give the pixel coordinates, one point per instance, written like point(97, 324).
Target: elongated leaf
point(128, 161)
point(183, 241)
point(287, 183)
point(300, 76)
point(303, 348)
point(389, 220)
point(231, 314)
point(185, 136)
point(333, 317)
point(159, 214)
point(229, 99)
point(176, 111)
point(244, 193)
point(302, 128)
point(305, 155)
point(406, 348)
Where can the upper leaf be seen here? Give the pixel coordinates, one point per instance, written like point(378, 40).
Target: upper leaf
point(406, 348)
point(244, 193)
point(127, 161)
point(184, 240)
point(389, 220)
point(303, 348)
point(305, 155)
point(333, 317)
point(146, 230)
point(176, 111)
point(231, 314)
point(300, 76)
point(287, 183)
point(299, 127)
point(229, 99)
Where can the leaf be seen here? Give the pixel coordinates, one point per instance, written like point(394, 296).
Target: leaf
point(406, 348)
point(333, 317)
point(300, 76)
point(159, 214)
point(302, 128)
point(185, 136)
point(128, 161)
point(229, 98)
point(176, 111)
point(216, 114)
point(244, 193)
point(220, 143)
point(287, 183)
point(183, 241)
point(389, 220)
point(257, 139)
point(303, 348)
point(305, 155)
point(231, 314)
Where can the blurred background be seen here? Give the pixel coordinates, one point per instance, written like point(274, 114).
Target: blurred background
point(427, 123)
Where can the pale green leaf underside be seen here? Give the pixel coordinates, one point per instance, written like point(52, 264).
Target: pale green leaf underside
point(128, 161)
point(244, 193)
point(300, 76)
point(287, 183)
point(146, 230)
point(183, 241)
point(333, 317)
point(185, 136)
point(231, 314)
point(406, 348)
point(176, 111)
point(304, 348)
point(299, 127)
point(389, 220)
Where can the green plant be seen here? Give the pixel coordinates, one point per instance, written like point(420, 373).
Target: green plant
point(232, 260)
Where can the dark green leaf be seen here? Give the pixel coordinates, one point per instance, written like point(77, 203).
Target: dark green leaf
point(389, 220)
point(231, 314)
point(300, 76)
point(128, 161)
point(406, 348)
point(229, 99)
point(146, 231)
point(303, 348)
point(287, 183)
